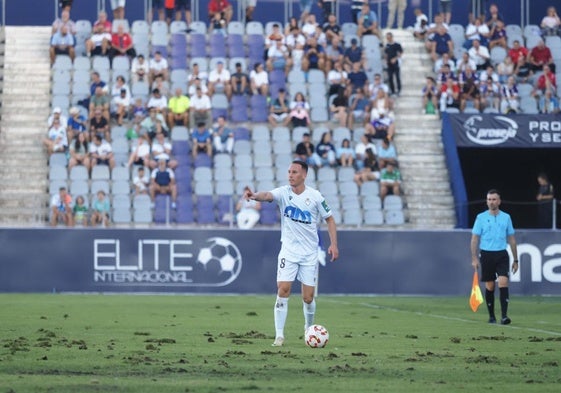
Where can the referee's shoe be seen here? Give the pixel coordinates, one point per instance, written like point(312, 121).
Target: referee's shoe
point(505, 320)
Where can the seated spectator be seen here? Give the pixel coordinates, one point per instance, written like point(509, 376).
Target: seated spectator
point(367, 22)
point(259, 80)
point(248, 212)
point(546, 81)
point(299, 112)
point(430, 94)
point(275, 35)
point(202, 140)
point(470, 93)
point(477, 31)
point(178, 109)
point(278, 57)
point(368, 170)
point(66, 5)
point(360, 150)
point(334, 53)
point(380, 106)
point(138, 111)
point(548, 103)
point(239, 81)
point(61, 208)
point(141, 182)
point(305, 149)
point(219, 81)
point(441, 43)
point(65, 21)
point(57, 139)
point(278, 111)
point(223, 137)
point(79, 152)
point(551, 24)
point(99, 102)
point(490, 94)
point(494, 16)
point(517, 51)
point(449, 95)
point(314, 56)
point(489, 73)
point(480, 55)
point(358, 106)
point(387, 154)
point(292, 23)
point(376, 85)
point(62, 43)
point(325, 152)
point(309, 26)
point(159, 102)
point(444, 60)
point(444, 75)
point(390, 181)
point(332, 29)
point(345, 154)
point(77, 124)
point(357, 77)
point(161, 150)
point(498, 36)
point(539, 56)
point(522, 70)
point(95, 83)
point(158, 67)
point(140, 69)
point(338, 107)
point(80, 211)
point(222, 8)
point(152, 121)
point(102, 21)
point(433, 28)
point(200, 109)
point(465, 62)
point(162, 85)
point(140, 155)
point(336, 78)
point(118, 7)
point(380, 128)
point(510, 100)
point(100, 210)
point(217, 25)
point(101, 153)
point(505, 69)
point(57, 115)
point(353, 54)
point(163, 182)
point(121, 44)
point(99, 42)
point(295, 42)
point(99, 126)
point(420, 28)
point(121, 106)
point(469, 75)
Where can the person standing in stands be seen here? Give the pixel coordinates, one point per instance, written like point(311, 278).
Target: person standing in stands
point(545, 201)
point(392, 53)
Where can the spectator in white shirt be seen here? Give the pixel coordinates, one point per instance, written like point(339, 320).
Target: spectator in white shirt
point(200, 109)
point(259, 80)
point(219, 80)
point(139, 69)
point(158, 66)
point(445, 59)
point(480, 55)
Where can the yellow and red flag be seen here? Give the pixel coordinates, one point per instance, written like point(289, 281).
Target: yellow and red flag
point(476, 297)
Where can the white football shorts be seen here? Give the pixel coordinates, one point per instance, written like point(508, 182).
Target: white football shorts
point(304, 269)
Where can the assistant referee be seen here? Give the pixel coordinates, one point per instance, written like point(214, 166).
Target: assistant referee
point(491, 232)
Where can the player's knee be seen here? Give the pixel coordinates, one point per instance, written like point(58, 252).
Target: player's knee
point(308, 298)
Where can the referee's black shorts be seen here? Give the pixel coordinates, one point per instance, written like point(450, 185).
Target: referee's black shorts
point(494, 264)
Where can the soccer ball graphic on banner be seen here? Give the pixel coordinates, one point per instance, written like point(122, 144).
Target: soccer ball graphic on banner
point(220, 254)
point(316, 336)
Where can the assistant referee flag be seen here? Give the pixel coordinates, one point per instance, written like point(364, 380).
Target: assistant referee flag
point(476, 297)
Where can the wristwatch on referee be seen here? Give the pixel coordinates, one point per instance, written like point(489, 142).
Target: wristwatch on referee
point(515, 261)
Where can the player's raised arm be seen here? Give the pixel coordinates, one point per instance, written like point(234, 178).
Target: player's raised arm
point(262, 196)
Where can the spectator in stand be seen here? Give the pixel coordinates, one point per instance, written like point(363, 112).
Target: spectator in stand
point(223, 137)
point(57, 139)
point(334, 53)
point(380, 106)
point(162, 85)
point(445, 59)
point(202, 140)
point(392, 54)
point(380, 128)
point(376, 85)
point(433, 28)
point(539, 56)
point(468, 76)
point(200, 109)
point(100, 210)
point(356, 8)
point(152, 121)
point(358, 106)
point(101, 153)
point(470, 93)
point(546, 82)
point(278, 111)
point(219, 80)
point(295, 41)
point(357, 77)
point(441, 43)
point(158, 101)
point(161, 150)
point(345, 154)
point(163, 182)
point(368, 170)
point(223, 8)
point(480, 55)
point(510, 100)
point(292, 22)
point(138, 111)
point(64, 20)
point(61, 208)
point(141, 153)
point(498, 36)
point(299, 112)
point(360, 151)
point(278, 57)
point(157, 9)
point(248, 212)
point(489, 73)
point(309, 26)
point(551, 24)
point(367, 22)
point(62, 43)
point(121, 44)
point(490, 94)
point(420, 28)
point(517, 51)
point(99, 42)
point(328, 7)
point(99, 126)
point(443, 76)
point(121, 106)
point(494, 16)
point(259, 80)
point(158, 67)
point(305, 149)
point(387, 154)
point(353, 54)
point(477, 31)
point(390, 181)
point(332, 29)
point(100, 101)
point(314, 56)
point(141, 182)
point(178, 109)
point(249, 9)
point(139, 69)
point(548, 103)
point(449, 95)
point(336, 78)
point(65, 5)
point(338, 107)
point(400, 6)
point(325, 152)
point(276, 34)
point(77, 124)
point(118, 7)
point(446, 10)
point(430, 94)
point(57, 115)
point(505, 69)
point(239, 81)
point(465, 62)
point(80, 212)
point(103, 22)
point(217, 25)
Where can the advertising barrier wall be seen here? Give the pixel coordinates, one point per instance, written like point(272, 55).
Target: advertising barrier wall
point(234, 261)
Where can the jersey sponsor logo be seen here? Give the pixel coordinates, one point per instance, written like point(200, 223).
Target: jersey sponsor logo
point(297, 215)
point(325, 206)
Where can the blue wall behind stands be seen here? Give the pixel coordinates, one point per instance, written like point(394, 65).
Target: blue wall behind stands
point(41, 12)
point(234, 261)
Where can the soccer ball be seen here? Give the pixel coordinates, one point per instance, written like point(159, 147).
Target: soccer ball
point(316, 336)
point(220, 254)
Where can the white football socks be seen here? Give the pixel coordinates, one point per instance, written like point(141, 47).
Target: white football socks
point(309, 313)
point(281, 311)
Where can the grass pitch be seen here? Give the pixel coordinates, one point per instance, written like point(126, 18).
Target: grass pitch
point(110, 343)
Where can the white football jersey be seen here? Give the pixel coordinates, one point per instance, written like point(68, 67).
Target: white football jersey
point(300, 215)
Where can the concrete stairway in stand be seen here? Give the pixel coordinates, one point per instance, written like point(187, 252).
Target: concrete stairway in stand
point(25, 103)
point(418, 141)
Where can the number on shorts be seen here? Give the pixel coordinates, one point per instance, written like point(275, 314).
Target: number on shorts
point(282, 263)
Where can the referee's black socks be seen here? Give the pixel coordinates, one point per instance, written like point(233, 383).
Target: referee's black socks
point(490, 301)
point(503, 293)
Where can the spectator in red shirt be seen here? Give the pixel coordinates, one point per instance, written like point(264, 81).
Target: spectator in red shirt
point(546, 81)
point(121, 44)
point(517, 51)
point(222, 7)
point(540, 55)
point(103, 21)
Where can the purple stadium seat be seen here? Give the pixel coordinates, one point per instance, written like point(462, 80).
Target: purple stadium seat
point(178, 63)
point(238, 109)
point(160, 48)
point(258, 105)
point(198, 45)
point(278, 77)
point(180, 148)
point(241, 134)
point(160, 203)
point(236, 46)
point(217, 45)
point(203, 160)
point(178, 40)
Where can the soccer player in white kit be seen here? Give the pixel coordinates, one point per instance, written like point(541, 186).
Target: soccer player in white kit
point(301, 207)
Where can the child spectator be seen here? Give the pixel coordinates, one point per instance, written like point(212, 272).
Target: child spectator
point(299, 112)
point(345, 154)
point(80, 212)
point(163, 182)
point(141, 181)
point(390, 181)
point(100, 210)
